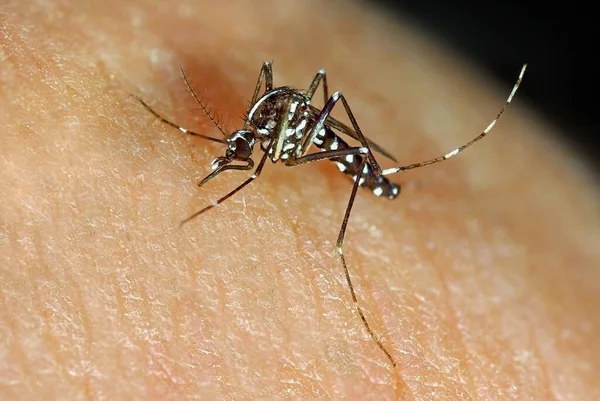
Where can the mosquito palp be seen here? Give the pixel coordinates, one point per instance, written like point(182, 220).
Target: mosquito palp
point(287, 125)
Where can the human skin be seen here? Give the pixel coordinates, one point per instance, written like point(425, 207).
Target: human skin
point(481, 278)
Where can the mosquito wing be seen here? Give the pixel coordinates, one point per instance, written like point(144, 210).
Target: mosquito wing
point(343, 128)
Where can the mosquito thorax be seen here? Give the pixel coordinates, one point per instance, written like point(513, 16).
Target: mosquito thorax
point(281, 106)
point(281, 117)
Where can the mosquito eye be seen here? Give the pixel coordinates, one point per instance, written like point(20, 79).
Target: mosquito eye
point(242, 149)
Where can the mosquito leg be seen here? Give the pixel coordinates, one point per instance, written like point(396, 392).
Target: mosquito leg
point(466, 145)
point(320, 124)
point(330, 154)
point(326, 155)
point(185, 131)
point(340, 249)
point(265, 74)
point(254, 175)
point(321, 76)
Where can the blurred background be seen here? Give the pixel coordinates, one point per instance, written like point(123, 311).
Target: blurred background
point(559, 41)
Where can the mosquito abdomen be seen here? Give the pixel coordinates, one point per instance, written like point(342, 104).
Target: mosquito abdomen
point(350, 165)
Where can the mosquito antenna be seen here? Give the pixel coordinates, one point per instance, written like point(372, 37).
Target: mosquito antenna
point(202, 105)
point(184, 130)
point(466, 145)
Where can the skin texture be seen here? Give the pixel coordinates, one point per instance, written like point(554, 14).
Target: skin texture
point(481, 278)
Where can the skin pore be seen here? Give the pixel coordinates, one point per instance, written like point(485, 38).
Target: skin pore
point(481, 278)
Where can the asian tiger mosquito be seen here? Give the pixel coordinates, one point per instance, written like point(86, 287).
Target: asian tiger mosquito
point(286, 124)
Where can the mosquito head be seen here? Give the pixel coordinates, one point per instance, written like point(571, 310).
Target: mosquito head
point(239, 148)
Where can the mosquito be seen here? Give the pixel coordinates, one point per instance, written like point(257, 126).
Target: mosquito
point(286, 125)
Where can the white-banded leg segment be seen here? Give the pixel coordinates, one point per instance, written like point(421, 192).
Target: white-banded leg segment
point(321, 76)
point(266, 75)
point(333, 154)
point(466, 145)
point(327, 155)
point(340, 249)
point(320, 124)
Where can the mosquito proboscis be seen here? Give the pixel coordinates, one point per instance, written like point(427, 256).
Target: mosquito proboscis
point(286, 125)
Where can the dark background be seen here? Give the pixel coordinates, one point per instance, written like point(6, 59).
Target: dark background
point(560, 42)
